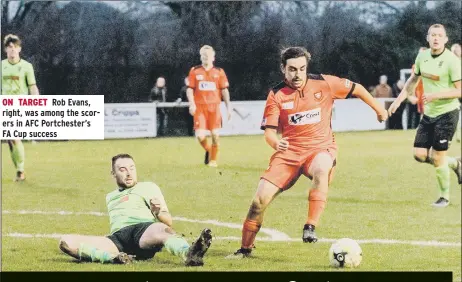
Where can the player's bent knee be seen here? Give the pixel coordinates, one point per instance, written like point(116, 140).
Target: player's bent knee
point(420, 158)
point(421, 155)
point(66, 241)
point(200, 135)
point(66, 247)
point(320, 174)
point(423, 158)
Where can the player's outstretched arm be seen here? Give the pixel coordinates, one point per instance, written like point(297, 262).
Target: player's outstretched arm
point(271, 137)
point(408, 89)
point(192, 104)
point(227, 100)
point(456, 93)
point(159, 210)
point(361, 93)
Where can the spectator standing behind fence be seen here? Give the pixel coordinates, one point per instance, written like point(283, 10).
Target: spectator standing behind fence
point(383, 90)
point(396, 120)
point(188, 117)
point(159, 94)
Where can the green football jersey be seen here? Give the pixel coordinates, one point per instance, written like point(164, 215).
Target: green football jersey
point(132, 206)
point(438, 74)
point(17, 78)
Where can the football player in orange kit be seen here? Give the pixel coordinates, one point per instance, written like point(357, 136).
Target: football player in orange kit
point(207, 86)
point(300, 107)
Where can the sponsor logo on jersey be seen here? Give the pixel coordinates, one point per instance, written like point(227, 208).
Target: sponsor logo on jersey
point(207, 86)
point(307, 117)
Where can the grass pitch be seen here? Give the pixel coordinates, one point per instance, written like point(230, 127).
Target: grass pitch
point(379, 192)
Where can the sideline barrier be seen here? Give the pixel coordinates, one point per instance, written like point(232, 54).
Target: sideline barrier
point(138, 120)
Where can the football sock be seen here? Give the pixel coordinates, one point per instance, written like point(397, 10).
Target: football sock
point(19, 156)
point(249, 232)
point(317, 202)
point(214, 154)
point(452, 162)
point(13, 158)
point(177, 246)
point(90, 253)
point(205, 144)
point(443, 180)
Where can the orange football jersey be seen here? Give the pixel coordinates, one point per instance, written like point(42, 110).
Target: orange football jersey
point(304, 116)
point(207, 85)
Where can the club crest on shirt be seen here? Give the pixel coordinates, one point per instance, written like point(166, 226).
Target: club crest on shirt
point(199, 77)
point(318, 95)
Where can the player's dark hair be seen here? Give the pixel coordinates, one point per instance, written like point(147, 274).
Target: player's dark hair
point(120, 156)
point(294, 52)
point(11, 38)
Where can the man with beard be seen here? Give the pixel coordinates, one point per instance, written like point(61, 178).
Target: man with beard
point(140, 225)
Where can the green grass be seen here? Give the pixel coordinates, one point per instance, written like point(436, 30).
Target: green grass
point(379, 192)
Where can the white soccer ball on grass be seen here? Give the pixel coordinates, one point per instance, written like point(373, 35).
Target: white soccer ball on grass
point(345, 253)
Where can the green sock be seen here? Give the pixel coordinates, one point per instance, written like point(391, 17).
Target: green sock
point(89, 253)
point(12, 153)
point(19, 156)
point(443, 177)
point(177, 246)
point(452, 162)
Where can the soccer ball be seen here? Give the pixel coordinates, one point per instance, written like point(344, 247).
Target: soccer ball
point(345, 253)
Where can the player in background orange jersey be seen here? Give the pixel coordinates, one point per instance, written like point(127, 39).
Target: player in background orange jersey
point(301, 108)
point(418, 97)
point(208, 85)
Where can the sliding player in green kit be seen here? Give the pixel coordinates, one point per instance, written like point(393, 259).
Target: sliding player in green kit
point(440, 72)
point(18, 78)
point(140, 225)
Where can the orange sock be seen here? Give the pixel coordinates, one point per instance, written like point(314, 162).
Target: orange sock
point(205, 144)
point(249, 232)
point(317, 204)
point(214, 154)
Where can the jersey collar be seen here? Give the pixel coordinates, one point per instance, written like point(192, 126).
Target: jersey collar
point(437, 55)
point(14, 64)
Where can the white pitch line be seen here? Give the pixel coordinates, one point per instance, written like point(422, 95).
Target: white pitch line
point(266, 239)
point(276, 236)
